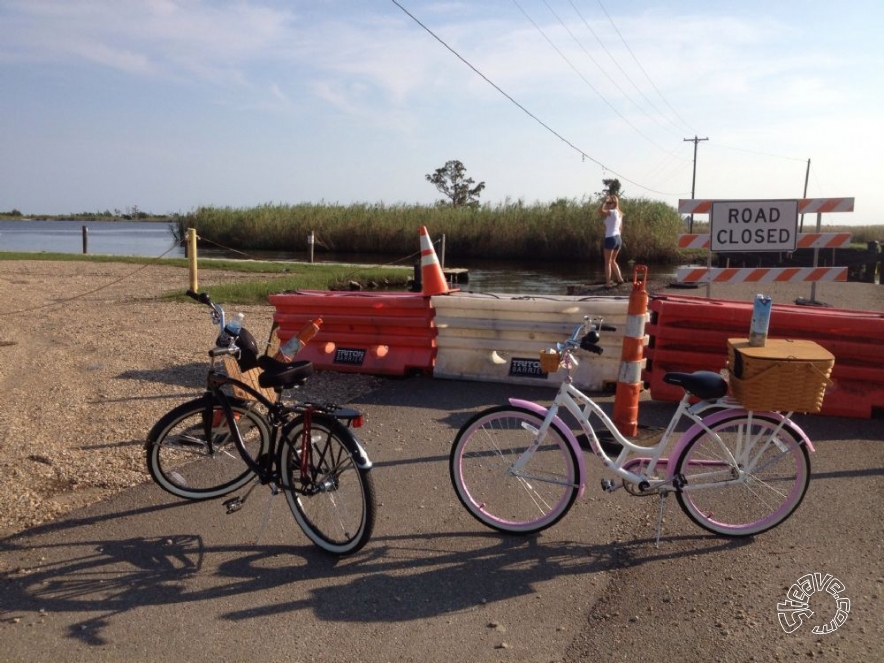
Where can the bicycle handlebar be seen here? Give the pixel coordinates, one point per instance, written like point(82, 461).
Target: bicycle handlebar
point(218, 351)
point(586, 336)
point(218, 316)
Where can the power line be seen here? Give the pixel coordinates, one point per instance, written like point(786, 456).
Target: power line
point(600, 68)
point(623, 39)
point(762, 154)
point(622, 70)
point(523, 109)
point(582, 77)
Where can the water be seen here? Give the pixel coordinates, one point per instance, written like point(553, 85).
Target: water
point(155, 239)
point(118, 238)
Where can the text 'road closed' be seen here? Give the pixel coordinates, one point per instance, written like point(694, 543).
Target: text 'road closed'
point(754, 225)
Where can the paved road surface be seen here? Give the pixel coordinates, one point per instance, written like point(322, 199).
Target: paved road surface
point(144, 577)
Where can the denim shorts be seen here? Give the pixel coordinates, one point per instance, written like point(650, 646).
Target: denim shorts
point(613, 243)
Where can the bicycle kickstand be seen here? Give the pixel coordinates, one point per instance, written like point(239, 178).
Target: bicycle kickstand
point(660, 516)
point(274, 491)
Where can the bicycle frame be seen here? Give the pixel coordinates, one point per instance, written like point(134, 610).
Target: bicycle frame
point(629, 465)
point(277, 413)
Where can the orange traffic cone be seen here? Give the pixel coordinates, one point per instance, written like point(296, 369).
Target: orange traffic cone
point(432, 278)
point(629, 383)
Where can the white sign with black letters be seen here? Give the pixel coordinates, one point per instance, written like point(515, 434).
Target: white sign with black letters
point(754, 225)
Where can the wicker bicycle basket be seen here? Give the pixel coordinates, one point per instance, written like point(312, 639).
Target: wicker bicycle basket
point(787, 375)
point(549, 361)
point(250, 377)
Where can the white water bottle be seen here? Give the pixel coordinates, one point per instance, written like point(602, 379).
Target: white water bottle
point(234, 325)
point(760, 320)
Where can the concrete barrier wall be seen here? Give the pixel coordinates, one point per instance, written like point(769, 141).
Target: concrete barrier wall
point(499, 337)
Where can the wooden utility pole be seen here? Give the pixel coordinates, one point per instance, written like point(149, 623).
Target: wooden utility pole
point(806, 177)
point(694, 140)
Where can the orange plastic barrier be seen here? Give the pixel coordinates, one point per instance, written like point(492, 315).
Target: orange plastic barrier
point(690, 333)
point(373, 333)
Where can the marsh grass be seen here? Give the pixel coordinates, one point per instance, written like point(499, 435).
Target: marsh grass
point(565, 229)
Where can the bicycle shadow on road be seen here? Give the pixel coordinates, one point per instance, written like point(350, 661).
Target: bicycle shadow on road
point(59, 569)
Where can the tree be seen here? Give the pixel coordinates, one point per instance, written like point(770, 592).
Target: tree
point(451, 181)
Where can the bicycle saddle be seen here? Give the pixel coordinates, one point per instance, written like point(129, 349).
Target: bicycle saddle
point(282, 375)
point(705, 385)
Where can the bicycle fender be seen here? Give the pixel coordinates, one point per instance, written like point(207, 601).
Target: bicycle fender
point(360, 456)
point(725, 414)
point(541, 411)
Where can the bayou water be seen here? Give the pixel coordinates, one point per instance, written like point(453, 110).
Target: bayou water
point(155, 239)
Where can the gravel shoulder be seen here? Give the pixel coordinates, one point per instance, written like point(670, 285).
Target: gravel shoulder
point(91, 354)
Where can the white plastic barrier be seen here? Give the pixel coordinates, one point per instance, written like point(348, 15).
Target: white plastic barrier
point(499, 337)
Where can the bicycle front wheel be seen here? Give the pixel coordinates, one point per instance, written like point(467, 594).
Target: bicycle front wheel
point(744, 477)
point(506, 482)
point(331, 496)
point(191, 451)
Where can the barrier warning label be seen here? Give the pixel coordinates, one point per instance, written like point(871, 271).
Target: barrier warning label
point(349, 356)
point(526, 368)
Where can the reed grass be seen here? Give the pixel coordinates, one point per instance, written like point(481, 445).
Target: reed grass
point(565, 229)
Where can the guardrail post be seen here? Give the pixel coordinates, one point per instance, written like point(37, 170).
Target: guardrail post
point(191, 255)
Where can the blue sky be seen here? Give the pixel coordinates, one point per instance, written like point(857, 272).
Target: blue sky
point(171, 104)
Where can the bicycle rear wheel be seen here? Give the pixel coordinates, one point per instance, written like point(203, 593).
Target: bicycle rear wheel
point(184, 461)
point(523, 501)
point(333, 502)
point(745, 477)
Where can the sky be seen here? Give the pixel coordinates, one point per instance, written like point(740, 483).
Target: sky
point(169, 105)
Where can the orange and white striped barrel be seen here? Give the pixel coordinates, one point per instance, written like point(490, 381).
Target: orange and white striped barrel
point(629, 379)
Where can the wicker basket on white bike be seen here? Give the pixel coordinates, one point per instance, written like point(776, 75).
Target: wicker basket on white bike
point(784, 374)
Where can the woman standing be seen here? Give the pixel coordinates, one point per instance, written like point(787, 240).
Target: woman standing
point(610, 212)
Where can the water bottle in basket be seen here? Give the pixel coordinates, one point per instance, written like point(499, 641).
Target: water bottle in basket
point(291, 347)
point(760, 320)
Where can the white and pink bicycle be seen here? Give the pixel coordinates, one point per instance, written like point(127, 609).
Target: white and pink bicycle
point(518, 468)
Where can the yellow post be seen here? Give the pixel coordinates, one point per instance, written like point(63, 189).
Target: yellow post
point(191, 254)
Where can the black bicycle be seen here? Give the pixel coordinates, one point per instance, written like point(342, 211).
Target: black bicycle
point(239, 432)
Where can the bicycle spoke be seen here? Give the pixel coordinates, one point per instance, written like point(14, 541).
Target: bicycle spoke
point(759, 492)
point(505, 478)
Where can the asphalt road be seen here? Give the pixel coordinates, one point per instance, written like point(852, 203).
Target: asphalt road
point(146, 577)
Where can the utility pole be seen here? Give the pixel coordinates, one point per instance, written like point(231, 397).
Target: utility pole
point(694, 140)
point(806, 177)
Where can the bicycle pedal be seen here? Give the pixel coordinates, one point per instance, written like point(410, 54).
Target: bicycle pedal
point(233, 505)
point(608, 486)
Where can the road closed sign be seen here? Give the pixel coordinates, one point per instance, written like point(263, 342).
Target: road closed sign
point(753, 225)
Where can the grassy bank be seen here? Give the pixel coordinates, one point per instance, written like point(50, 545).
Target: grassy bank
point(270, 277)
